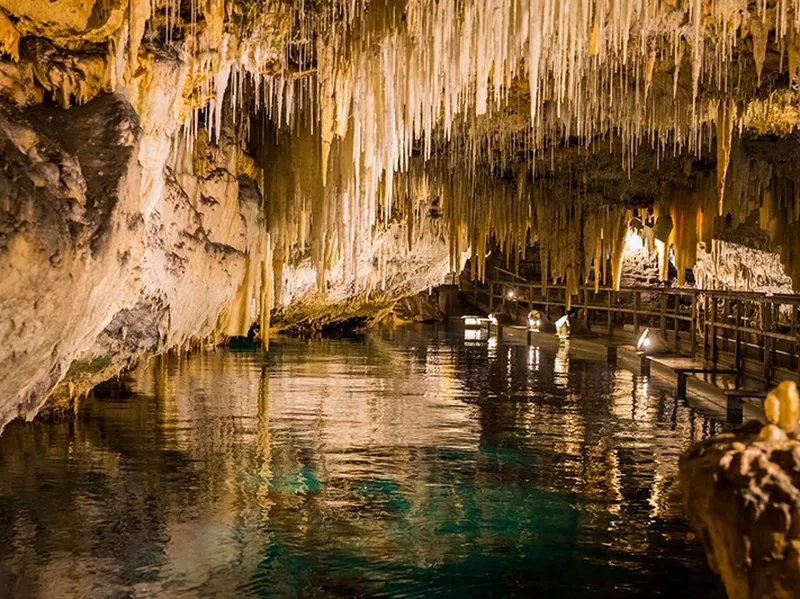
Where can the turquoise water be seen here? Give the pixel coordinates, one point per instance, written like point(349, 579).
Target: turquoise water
point(411, 463)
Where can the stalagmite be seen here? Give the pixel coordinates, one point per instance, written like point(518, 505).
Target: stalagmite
point(782, 406)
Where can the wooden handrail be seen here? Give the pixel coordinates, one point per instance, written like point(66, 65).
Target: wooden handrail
point(778, 298)
point(716, 320)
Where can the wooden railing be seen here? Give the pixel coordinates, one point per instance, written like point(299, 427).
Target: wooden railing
point(755, 332)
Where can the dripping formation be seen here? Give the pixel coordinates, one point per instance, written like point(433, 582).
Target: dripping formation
point(261, 154)
point(373, 84)
point(486, 94)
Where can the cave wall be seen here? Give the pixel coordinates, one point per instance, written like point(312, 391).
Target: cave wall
point(92, 279)
point(125, 229)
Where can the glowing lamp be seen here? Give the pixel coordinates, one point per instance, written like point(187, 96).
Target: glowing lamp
point(562, 326)
point(511, 294)
point(644, 341)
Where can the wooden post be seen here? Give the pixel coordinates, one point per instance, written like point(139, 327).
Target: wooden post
point(664, 314)
point(766, 326)
point(608, 312)
point(726, 310)
point(693, 324)
point(585, 305)
point(713, 340)
point(735, 409)
point(637, 298)
point(675, 320)
point(547, 302)
point(680, 391)
point(738, 359)
point(706, 306)
point(796, 340)
point(644, 365)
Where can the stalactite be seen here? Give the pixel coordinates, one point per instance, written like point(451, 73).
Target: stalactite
point(726, 116)
point(363, 105)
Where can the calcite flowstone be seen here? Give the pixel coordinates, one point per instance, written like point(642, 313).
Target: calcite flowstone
point(742, 494)
point(87, 282)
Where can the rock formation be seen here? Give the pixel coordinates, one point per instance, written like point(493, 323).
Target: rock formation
point(742, 493)
point(176, 171)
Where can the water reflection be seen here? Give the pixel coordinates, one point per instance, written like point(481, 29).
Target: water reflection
point(408, 463)
point(561, 364)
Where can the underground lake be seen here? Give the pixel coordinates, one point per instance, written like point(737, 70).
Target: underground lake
point(402, 463)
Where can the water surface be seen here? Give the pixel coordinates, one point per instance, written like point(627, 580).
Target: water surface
point(411, 463)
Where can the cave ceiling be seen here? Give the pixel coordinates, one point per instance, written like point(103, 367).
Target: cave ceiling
point(524, 118)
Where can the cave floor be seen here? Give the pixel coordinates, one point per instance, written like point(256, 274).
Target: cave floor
point(412, 462)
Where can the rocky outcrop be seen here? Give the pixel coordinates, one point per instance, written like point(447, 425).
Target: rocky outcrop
point(90, 280)
point(115, 246)
point(133, 212)
point(742, 494)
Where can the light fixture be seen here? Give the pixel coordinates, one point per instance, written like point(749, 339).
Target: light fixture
point(644, 341)
point(511, 294)
point(534, 324)
point(562, 326)
point(473, 334)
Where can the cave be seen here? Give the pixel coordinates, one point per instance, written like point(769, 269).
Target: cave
point(344, 298)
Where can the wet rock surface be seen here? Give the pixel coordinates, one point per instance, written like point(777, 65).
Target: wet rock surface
point(742, 494)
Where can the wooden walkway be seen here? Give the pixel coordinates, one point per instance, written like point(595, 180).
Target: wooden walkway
point(755, 333)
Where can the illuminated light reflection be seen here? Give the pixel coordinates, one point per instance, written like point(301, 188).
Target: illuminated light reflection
point(358, 456)
point(534, 358)
point(561, 365)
